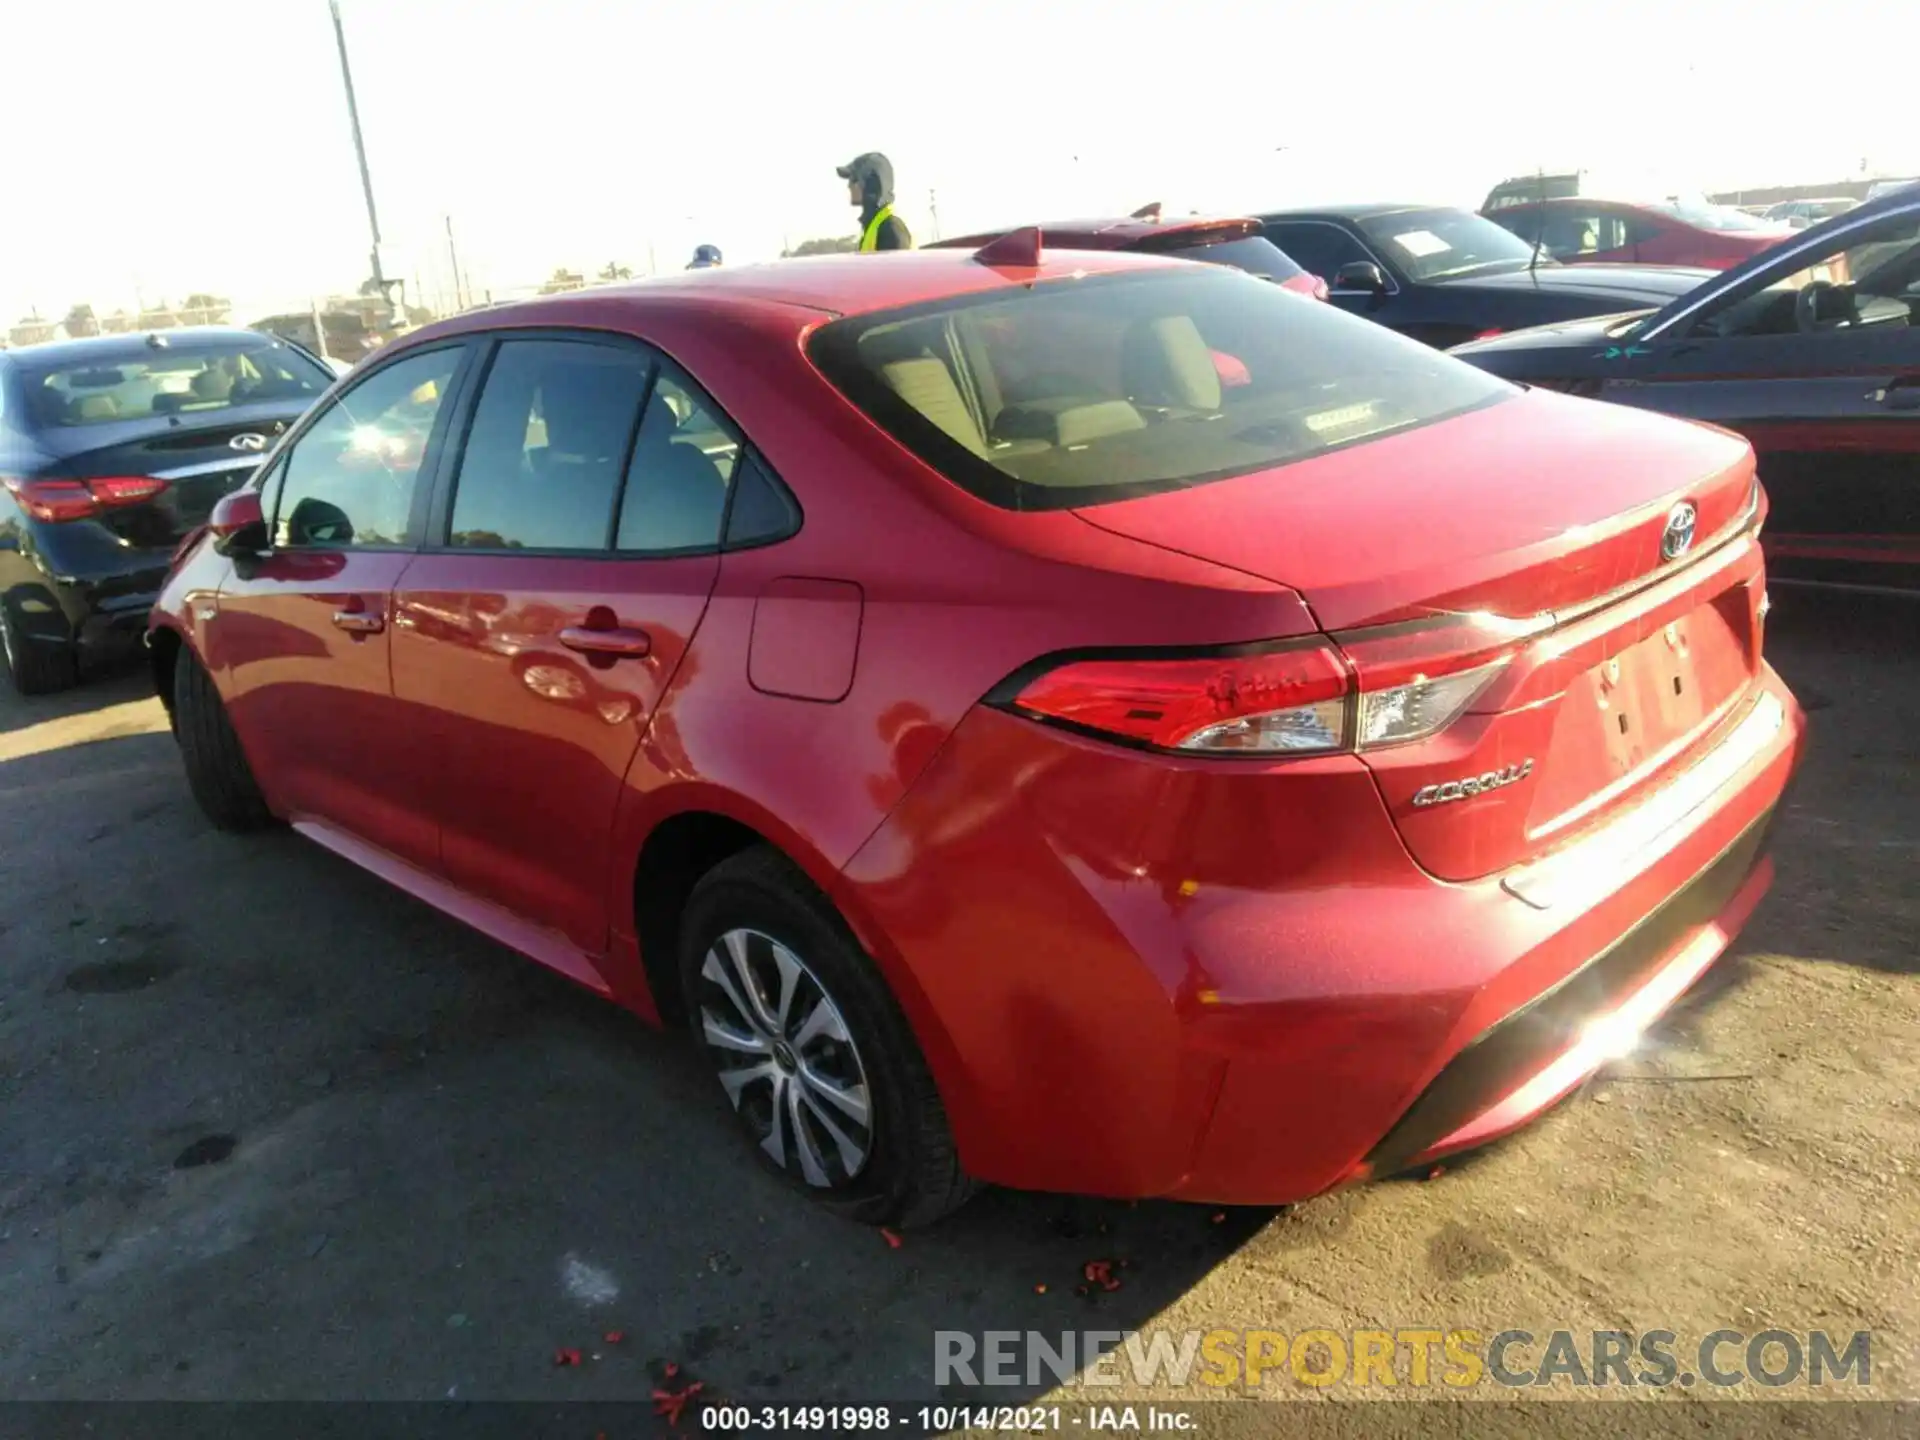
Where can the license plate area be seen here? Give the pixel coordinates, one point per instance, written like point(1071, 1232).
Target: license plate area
point(1638, 710)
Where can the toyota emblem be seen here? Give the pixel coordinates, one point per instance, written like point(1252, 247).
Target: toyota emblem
point(1677, 538)
point(249, 441)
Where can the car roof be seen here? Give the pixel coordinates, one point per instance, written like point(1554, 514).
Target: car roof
point(104, 349)
point(1107, 233)
point(1353, 212)
point(832, 285)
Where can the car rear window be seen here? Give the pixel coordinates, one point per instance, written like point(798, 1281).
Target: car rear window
point(162, 382)
point(1077, 392)
point(1254, 254)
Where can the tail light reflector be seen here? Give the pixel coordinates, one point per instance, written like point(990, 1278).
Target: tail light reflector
point(58, 500)
point(1289, 701)
point(1374, 690)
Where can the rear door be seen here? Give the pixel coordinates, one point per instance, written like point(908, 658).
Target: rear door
point(1833, 412)
point(571, 555)
point(303, 633)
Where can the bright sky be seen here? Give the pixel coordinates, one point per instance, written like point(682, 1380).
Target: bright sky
point(160, 148)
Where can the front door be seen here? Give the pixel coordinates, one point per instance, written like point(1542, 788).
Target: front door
point(1820, 370)
point(569, 568)
point(304, 632)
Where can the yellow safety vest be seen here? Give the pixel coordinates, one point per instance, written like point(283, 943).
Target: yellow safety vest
point(870, 240)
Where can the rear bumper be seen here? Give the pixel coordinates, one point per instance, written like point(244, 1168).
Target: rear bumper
point(1564, 981)
point(95, 604)
point(1522, 1064)
point(1137, 976)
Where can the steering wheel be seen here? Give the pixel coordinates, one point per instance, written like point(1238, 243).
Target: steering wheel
point(1806, 306)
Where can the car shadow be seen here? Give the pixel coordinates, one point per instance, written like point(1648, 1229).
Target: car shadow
point(116, 680)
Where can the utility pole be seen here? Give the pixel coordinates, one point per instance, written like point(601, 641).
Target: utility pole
point(453, 259)
point(933, 210)
point(360, 153)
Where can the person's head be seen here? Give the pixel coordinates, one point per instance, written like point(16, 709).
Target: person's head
point(869, 180)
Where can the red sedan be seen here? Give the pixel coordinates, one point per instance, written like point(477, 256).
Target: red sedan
point(1015, 755)
point(1577, 230)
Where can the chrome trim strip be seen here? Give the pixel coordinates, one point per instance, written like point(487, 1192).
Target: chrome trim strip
point(1596, 864)
point(1741, 524)
point(210, 467)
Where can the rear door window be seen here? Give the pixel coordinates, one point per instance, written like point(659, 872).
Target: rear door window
point(1078, 391)
point(548, 445)
point(683, 463)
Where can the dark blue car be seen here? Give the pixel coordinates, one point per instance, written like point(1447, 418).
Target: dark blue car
point(112, 450)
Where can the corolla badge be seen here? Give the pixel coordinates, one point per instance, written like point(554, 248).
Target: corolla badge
point(249, 441)
point(1473, 785)
point(1677, 538)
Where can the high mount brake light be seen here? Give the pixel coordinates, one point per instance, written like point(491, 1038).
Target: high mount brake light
point(55, 501)
point(1372, 691)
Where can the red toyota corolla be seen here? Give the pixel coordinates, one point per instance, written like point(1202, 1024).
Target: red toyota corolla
point(1017, 756)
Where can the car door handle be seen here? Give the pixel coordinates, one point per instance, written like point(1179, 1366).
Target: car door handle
point(615, 640)
point(354, 618)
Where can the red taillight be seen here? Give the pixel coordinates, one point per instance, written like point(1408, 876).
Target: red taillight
point(1386, 688)
point(1489, 334)
point(57, 500)
point(1276, 701)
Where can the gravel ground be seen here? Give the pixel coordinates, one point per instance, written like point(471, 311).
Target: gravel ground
point(270, 1130)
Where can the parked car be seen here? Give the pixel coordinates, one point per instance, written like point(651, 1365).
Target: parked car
point(1236, 242)
point(1799, 214)
point(1812, 351)
point(1443, 275)
point(1889, 187)
point(1586, 231)
point(1016, 755)
point(111, 450)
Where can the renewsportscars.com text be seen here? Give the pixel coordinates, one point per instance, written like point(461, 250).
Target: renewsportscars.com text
point(1411, 1357)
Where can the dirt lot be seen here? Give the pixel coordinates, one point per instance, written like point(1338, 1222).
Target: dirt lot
point(270, 1130)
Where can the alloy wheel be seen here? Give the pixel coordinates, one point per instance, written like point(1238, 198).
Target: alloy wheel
point(785, 1058)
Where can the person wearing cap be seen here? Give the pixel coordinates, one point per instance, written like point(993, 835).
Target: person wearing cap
point(705, 257)
point(869, 180)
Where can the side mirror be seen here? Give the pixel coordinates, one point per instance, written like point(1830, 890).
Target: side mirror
point(238, 525)
point(1362, 275)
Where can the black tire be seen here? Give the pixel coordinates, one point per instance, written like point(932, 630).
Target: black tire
point(217, 770)
point(911, 1174)
point(34, 666)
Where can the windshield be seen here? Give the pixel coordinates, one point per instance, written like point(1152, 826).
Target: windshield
point(1254, 254)
point(149, 383)
point(1440, 244)
point(1707, 216)
point(1075, 392)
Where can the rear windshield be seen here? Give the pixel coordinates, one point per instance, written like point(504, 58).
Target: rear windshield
point(1708, 216)
point(1076, 392)
point(1254, 254)
point(164, 382)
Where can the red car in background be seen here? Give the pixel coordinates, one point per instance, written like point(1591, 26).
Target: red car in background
point(1579, 230)
point(1014, 754)
point(1240, 243)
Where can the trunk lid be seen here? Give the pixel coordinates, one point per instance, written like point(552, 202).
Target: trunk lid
point(1540, 520)
point(200, 463)
point(1539, 503)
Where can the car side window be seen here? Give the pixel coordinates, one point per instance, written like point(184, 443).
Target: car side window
point(550, 437)
point(1870, 281)
point(349, 481)
point(684, 460)
point(1317, 247)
